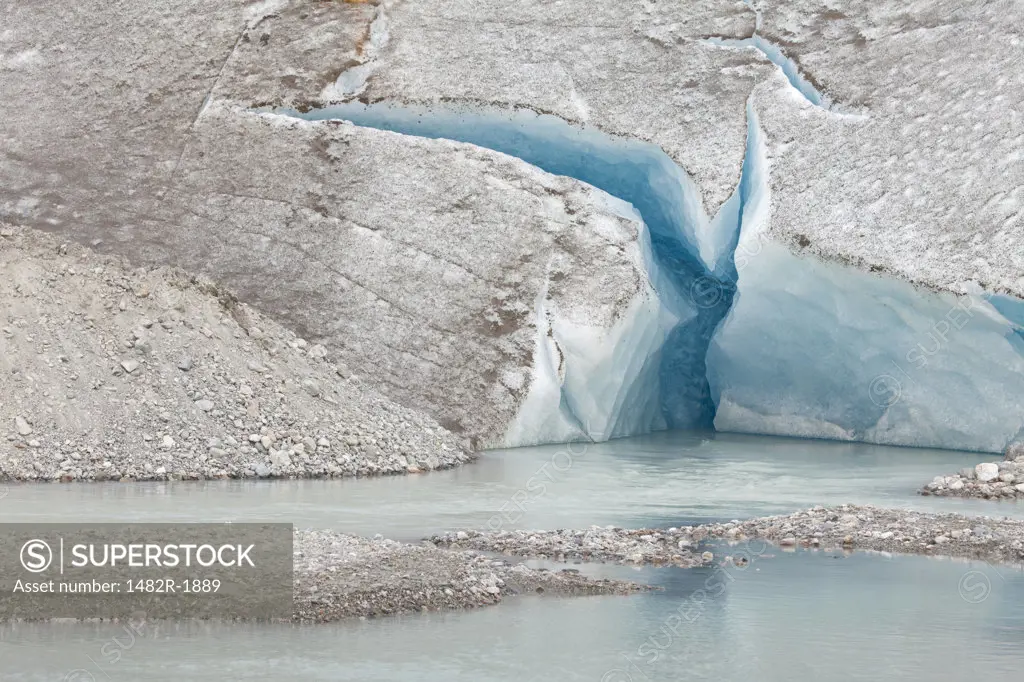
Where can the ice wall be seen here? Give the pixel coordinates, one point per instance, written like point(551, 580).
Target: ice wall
point(735, 331)
point(689, 252)
point(821, 350)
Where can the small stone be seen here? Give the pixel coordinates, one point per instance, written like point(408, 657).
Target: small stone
point(184, 363)
point(956, 485)
point(707, 557)
point(787, 542)
point(22, 426)
point(130, 365)
point(311, 387)
point(266, 442)
point(33, 443)
point(323, 443)
point(1006, 477)
point(166, 442)
point(987, 471)
point(280, 459)
point(1019, 487)
point(262, 470)
point(204, 405)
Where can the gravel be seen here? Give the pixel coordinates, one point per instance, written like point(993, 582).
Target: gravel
point(887, 530)
point(848, 526)
point(113, 373)
point(343, 576)
point(989, 480)
point(603, 544)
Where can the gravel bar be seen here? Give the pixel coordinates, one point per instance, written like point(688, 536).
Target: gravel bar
point(343, 576)
point(847, 526)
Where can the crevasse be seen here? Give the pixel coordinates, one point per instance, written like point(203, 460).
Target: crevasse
point(690, 251)
point(739, 333)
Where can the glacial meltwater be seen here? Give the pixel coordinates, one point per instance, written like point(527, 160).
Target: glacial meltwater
point(786, 615)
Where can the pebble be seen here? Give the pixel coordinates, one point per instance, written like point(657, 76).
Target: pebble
point(22, 426)
point(204, 405)
point(130, 365)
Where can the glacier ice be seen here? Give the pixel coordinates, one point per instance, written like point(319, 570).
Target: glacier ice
point(776, 56)
point(689, 252)
point(736, 332)
point(823, 350)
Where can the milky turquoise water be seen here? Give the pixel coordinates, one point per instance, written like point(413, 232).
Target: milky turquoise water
point(787, 616)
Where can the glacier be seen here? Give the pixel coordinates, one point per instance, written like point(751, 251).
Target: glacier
point(737, 332)
point(689, 268)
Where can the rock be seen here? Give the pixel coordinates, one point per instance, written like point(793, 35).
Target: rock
point(167, 442)
point(184, 363)
point(311, 387)
point(204, 405)
point(262, 470)
point(130, 365)
point(279, 459)
point(707, 557)
point(956, 485)
point(986, 471)
point(22, 426)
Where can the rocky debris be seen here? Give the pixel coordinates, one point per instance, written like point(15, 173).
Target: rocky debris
point(888, 530)
point(989, 480)
point(847, 526)
point(605, 544)
point(112, 373)
point(340, 576)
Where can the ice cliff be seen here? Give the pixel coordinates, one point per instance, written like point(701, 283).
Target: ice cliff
point(736, 331)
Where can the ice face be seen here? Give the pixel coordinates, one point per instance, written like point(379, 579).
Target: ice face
point(821, 350)
point(690, 254)
point(735, 331)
